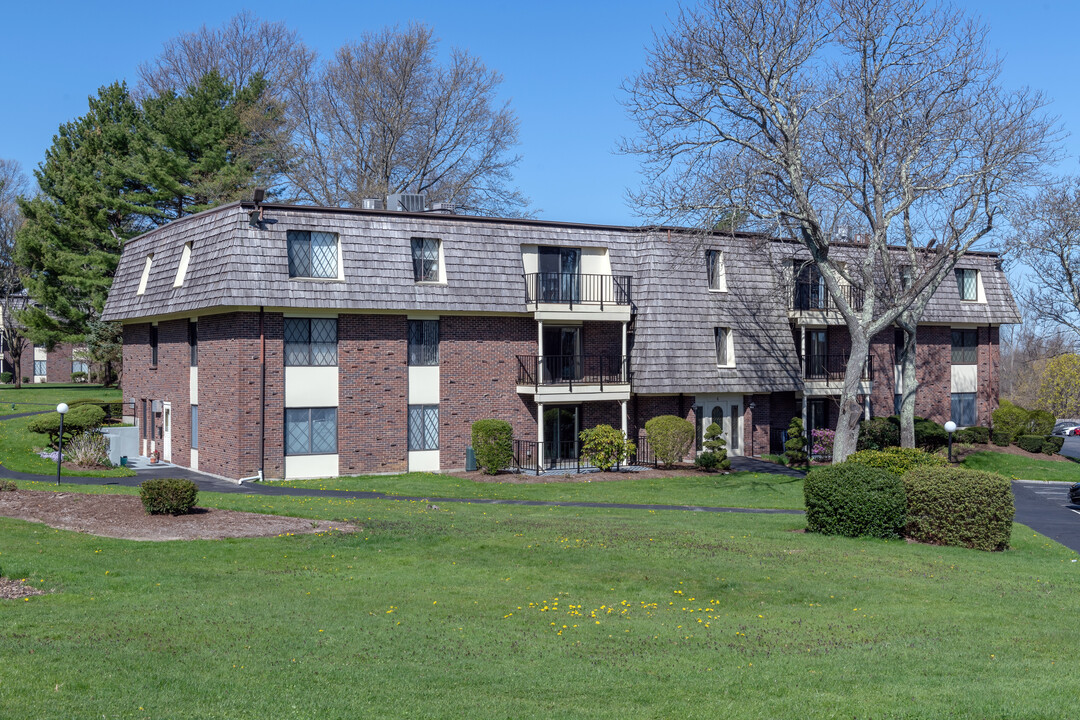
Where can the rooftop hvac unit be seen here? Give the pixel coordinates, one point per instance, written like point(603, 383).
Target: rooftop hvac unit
point(371, 204)
point(445, 208)
point(405, 202)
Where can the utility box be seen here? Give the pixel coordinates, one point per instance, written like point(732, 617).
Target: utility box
point(470, 459)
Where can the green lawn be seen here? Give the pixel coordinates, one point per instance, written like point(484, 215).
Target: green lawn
point(742, 489)
point(46, 396)
point(1021, 468)
point(494, 611)
point(17, 443)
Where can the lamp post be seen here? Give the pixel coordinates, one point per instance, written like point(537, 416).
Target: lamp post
point(62, 408)
point(752, 406)
point(950, 427)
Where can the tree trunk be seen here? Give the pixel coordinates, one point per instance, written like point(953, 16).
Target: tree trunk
point(847, 425)
point(909, 383)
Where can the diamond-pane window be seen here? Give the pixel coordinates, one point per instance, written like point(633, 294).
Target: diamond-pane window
point(310, 431)
point(423, 342)
point(312, 254)
point(311, 341)
point(423, 427)
point(967, 283)
point(425, 255)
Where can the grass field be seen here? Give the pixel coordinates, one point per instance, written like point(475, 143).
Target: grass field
point(742, 489)
point(17, 443)
point(1022, 468)
point(497, 611)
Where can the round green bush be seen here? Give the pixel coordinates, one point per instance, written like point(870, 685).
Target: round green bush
point(604, 447)
point(1031, 443)
point(1040, 422)
point(896, 460)
point(959, 507)
point(670, 437)
point(168, 496)
point(854, 500)
point(493, 444)
point(878, 433)
point(1052, 444)
point(1009, 422)
point(973, 435)
point(78, 420)
point(929, 434)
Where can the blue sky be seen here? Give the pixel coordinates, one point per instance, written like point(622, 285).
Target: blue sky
point(562, 63)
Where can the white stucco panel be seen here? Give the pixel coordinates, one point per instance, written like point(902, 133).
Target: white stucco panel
point(424, 461)
point(424, 385)
point(193, 386)
point(310, 466)
point(965, 378)
point(311, 387)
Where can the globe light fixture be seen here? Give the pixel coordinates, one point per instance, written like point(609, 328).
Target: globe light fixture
point(62, 408)
point(950, 427)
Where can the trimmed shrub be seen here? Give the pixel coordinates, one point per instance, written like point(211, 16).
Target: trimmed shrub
point(877, 434)
point(896, 460)
point(493, 444)
point(1052, 444)
point(959, 507)
point(854, 500)
point(1009, 421)
point(605, 447)
point(1031, 443)
point(6, 377)
point(78, 376)
point(670, 437)
point(795, 447)
point(716, 446)
point(25, 379)
point(168, 496)
point(709, 461)
point(973, 435)
point(78, 420)
point(1039, 422)
point(930, 435)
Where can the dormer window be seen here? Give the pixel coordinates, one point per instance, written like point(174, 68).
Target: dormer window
point(425, 258)
point(145, 274)
point(714, 265)
point(181, 270)
point(725, 356)
point(312, 254)
point(967, 281)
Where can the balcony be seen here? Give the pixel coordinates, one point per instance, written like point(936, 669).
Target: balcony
point(824, 374)
point(555, 295)
point(566, 378)
point(810, 300)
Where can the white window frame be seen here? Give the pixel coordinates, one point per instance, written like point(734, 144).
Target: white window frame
point(440, 267)
point(292, 236)
point(181, 269)
point(145, 274)
point(715, 270)
point(729, 346)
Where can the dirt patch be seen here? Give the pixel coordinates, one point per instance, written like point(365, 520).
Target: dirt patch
point(12, 589)
point(123, 516)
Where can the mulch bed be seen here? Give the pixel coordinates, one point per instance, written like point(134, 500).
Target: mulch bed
point(123, 516)
point(960, 452)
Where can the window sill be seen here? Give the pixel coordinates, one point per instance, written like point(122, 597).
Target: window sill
point(318, 279)
point(431, 282)
point(725, 367)
point(718, 290)
point(318, 454)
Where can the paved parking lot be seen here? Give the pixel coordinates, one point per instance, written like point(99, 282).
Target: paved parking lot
point(1045, 508)
point(1071, 448)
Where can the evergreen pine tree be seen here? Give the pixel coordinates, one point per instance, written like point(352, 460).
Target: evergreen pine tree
point(795, 447)
point(715, 444)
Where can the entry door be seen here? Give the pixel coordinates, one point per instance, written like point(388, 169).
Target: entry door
point(166, 432)
point(817, 362)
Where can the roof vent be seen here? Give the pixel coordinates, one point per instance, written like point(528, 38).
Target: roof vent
point(444, 208)
point(406, 202)
point(371, 203)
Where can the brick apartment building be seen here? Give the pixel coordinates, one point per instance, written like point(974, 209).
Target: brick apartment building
point(311, 342)
point(38, 364)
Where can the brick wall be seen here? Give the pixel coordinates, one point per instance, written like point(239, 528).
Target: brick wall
point(601, 338)
point(478, 375)
point(373, 387)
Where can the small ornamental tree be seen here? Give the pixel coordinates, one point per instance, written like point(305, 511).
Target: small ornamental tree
point(715, 455)
point(493, 444)
point(78, 420)
point(795, 447)
point(671, 437)
point(605, 447)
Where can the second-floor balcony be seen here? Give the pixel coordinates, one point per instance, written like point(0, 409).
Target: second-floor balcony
point(811, 296)
point(574, 376)
point(831, 368)
point(577, 292)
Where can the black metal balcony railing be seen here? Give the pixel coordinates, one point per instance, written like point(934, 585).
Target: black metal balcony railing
point(777, 438)
point(832, 367)
point(531, 456)
point(570, 369)
point(576, 289)
point(809, 295)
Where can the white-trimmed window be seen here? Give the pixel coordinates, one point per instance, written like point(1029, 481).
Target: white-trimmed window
point(311, 342)
point(967, 282)
point(725, 355)
point(39, 367)
point(423, 343)
point(425, 258)
point(310, 431)
point(963, 409)
point(312, 254)
point(714, 266)
point(145, 274)
point(181, 270)
point(423, 427)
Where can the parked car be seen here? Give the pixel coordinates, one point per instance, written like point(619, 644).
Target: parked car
point(1065, 428)
point(1074, 494)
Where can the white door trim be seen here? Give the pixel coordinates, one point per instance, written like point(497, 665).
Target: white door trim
point(166, 434)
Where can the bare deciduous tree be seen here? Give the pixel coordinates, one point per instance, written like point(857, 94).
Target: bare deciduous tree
point(1047, 241)
point(804, 115)
point(382, 116)
point(12, 185)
